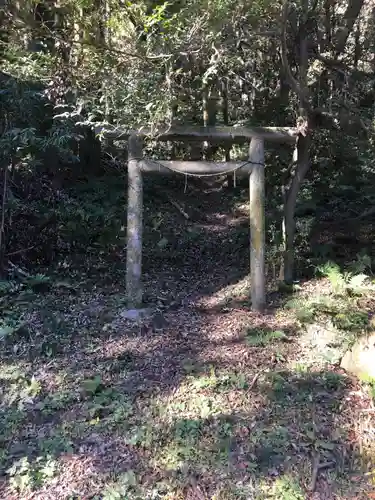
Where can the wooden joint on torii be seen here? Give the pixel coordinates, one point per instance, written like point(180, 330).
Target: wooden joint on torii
point(254, 168)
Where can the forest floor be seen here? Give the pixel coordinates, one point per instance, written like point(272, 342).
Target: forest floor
point(203, 400)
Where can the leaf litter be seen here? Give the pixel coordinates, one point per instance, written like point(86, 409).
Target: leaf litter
point(187, 408)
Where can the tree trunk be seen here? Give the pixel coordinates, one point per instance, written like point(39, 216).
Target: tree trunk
point(350, 17)
point(301, 157)
point(209, 118)
point(225, 112)
point(301, 153)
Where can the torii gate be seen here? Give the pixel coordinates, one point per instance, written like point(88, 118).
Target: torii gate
point(254, 168)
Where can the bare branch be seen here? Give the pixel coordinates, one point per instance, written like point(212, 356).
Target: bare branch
point(314, 7)
point(302, 93)
point(341, 66)
point(118, 51)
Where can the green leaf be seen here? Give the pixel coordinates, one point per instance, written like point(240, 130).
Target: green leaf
point(92, 385)
point(163, 243)
point(5, 331)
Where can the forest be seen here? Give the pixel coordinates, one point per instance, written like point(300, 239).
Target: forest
point(197, 395)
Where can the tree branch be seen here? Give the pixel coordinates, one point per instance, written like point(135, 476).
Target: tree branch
point(350, 16)
point(317, 117)
point(28, 21)
point(301, 93)
point(337, 65)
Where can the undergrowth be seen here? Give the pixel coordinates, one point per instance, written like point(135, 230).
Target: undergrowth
point(342, 304)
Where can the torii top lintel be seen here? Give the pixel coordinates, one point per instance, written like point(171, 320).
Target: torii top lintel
point(190, 134)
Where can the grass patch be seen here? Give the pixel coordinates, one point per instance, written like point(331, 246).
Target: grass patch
point(125, 486)
point(287, 488)
point(256, 337)
point(219, 382)
point(27, 476)
point(346, 315)
point(370, 384)
point(57, 401)
point(341, 305)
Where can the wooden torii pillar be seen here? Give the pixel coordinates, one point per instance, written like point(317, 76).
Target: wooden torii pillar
point(137, 166)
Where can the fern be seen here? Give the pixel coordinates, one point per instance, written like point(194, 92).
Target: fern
point(343, 282)
point(362, 264)
point(332, 272)
point(8, 287)
point(262, 339)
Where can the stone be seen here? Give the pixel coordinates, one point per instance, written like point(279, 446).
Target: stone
point(323, 343)
point(135, 314)
point(360, 359)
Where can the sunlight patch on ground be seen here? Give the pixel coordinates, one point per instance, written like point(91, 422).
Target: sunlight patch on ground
point(235, 291)
point(227, 403)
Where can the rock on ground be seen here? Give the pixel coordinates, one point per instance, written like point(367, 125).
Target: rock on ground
point(360, 360)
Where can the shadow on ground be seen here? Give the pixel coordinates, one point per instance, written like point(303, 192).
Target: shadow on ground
point(194, 410)
point(208, 401)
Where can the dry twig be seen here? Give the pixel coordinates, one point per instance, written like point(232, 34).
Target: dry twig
point(179, 208)
point(318, 466)
point(255, 379)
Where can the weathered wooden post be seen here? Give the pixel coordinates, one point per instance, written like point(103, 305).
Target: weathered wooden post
point(137, 167)
point(134, 224)
point(257, 225)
